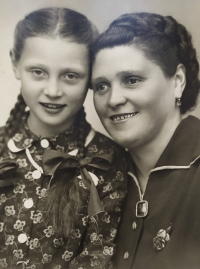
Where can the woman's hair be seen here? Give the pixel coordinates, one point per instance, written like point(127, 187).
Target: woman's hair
point(66, 24)
point(163, 40)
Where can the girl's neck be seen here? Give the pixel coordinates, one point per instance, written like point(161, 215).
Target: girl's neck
point(41, 129)
point(146, 157)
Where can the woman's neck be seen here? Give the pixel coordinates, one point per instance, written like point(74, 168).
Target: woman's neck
point(146, 157)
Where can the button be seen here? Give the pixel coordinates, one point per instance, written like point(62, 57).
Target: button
point(126, 255)
point(28, 203)
point(134, 225)
point(22, 238)
point(44, 143)
point(36, 174)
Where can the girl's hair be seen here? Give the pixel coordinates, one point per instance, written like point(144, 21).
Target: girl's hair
point(66, 24)
point(64, 200)
point(163, 40)
point(52, 23)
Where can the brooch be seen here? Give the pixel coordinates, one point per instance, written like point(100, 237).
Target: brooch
point(162, 237)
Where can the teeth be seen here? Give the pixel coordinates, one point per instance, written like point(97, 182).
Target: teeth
point(123, 117)
point(52, 105)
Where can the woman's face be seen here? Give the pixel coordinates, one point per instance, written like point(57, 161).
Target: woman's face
point(133, 98)
point(54, 77)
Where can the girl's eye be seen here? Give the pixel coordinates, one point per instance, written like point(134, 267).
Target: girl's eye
point(132, 81)
point(39, 73)
point(70, 76)
point(101, 87)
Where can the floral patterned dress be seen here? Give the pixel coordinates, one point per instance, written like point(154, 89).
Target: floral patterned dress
point(24, 237)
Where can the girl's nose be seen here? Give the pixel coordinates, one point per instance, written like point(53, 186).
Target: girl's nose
point(117, 97)
point(52, 89)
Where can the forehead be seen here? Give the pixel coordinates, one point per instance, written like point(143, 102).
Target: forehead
point(52, 51)
point(111, 61)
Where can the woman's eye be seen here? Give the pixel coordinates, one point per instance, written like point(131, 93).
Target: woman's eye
point(101, 87)
point(39, 73)
point(132, 81)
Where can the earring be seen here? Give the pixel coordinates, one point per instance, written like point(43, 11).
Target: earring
point(178, 101)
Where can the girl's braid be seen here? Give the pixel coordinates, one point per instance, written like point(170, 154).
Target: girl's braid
point(12, 123)
point(81, 123)
point(63, 210)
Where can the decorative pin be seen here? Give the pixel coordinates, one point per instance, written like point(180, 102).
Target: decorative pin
point(141, 209)
point(162, 237)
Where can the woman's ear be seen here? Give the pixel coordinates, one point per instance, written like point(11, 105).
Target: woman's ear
point(14, 64)
point(180, 80)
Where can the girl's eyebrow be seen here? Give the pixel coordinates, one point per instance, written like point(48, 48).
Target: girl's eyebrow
point(62, 70)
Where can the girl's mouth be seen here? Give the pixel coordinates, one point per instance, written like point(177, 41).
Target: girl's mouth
point(120, 117)
point(52, 106)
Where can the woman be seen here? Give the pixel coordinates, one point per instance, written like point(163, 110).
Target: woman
point(145, 76)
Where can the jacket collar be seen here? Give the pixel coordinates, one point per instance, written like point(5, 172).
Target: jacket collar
point(182, 150)
point(184, 147)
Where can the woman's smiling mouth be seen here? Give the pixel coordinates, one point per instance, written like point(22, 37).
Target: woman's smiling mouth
point(121, 117)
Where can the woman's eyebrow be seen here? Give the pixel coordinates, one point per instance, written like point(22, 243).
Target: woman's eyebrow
point(120, 74)
point(129, 73)
point(99, 79)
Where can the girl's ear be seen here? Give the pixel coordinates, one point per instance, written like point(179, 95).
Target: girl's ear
point(180, 80)
point(14, 65)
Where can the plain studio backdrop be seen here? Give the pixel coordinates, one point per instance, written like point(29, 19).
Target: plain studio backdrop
point(102, 13)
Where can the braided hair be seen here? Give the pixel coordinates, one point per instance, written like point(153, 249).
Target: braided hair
point(63, 210)
point(16, 115)
point(163, 40)
point(63, 203)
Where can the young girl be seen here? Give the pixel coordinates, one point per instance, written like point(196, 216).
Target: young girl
point(61, 183)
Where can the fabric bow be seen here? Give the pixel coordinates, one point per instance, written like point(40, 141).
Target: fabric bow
point(7, 170)
point(54, 160)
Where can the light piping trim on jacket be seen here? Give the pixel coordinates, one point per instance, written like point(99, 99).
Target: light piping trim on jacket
point(171, 167)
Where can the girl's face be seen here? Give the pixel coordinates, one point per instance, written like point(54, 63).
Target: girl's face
point(133, 98)
point(54, 77)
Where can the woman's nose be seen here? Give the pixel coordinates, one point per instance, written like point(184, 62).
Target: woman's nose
point(117, 97)
point(52, 89)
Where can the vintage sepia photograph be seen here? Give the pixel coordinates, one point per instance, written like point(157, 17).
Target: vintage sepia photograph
point(99, 134)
